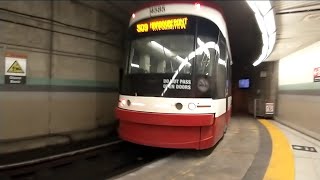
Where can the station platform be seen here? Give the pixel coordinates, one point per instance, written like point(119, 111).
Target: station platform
point(252, 149)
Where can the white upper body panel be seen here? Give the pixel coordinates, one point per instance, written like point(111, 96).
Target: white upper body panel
point(209, 13)
point(168, 105)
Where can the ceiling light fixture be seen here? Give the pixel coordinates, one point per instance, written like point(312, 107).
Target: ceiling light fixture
point(264, 14)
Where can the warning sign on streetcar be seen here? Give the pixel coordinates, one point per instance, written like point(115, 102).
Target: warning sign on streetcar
point(15, 68)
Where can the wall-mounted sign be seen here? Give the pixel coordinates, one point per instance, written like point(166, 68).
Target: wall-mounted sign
point(269, 108)
point(316, 74)
point(163, 25)
point(15, 68)
point(263, 74)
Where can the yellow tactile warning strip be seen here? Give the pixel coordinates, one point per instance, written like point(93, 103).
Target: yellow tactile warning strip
point(281, 165)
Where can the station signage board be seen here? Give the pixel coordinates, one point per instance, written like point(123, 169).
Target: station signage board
point(269, 108)
point(15, 68)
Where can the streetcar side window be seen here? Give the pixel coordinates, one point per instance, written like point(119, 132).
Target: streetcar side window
point(221, 73)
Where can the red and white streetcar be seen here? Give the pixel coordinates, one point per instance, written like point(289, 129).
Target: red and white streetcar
point(176, 87)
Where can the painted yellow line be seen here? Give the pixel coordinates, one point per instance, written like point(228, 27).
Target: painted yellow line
point(281, 165)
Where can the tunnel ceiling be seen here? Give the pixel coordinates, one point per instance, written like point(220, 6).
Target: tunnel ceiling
point(298, 24)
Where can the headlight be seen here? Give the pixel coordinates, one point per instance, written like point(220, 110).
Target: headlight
point(122, 102)
point(192, 106)
point(179, 106)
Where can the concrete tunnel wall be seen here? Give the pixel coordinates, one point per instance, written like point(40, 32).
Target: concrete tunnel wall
point(299, 96)
point(263, 87)
point(72, 72)
point(264, 80)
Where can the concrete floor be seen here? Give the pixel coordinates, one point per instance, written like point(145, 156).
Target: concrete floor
point(251, 150)
point(307, 159)
point(233, 158)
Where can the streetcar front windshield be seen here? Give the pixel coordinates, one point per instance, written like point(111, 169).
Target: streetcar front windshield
point(174, 62)
point(161, 54)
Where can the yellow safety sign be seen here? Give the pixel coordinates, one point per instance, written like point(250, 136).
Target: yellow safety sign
point(15, 68)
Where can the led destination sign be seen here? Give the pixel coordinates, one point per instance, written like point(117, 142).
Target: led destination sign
point(163, 25)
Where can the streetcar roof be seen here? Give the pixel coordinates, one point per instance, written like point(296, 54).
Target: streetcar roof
point(209, 11)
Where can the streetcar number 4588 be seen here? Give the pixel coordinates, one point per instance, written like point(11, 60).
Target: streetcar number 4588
point(157, 9)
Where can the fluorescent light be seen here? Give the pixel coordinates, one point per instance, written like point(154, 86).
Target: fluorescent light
point(272, 40)
point(260, 22)
point(253, 6)
point(264, 15)
point(257, 62)
point(167, 51)
point(265, 39)
point(264, 7)
point(269, 22)
point(135, 65)
point(262, 56)
point(222, 62)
